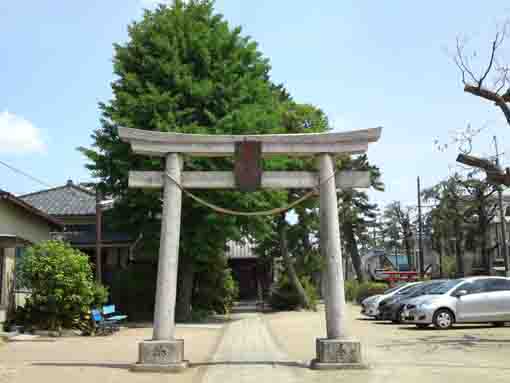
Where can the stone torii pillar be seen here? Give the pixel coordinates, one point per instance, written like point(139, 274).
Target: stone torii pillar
point(164, 352)
point(337, 350)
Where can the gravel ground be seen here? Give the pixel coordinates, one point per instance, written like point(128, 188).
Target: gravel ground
point(468, 353)
point(271, 347)
point(99, 359)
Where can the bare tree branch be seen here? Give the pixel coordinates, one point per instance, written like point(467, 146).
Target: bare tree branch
point(475, 85)
point(498, 40)
point(462, 63)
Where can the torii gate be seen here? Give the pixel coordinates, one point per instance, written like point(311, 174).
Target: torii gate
point(164, 352)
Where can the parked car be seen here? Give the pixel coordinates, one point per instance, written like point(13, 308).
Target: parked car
point(391, 308)
point(370, 305)
point(467, 300)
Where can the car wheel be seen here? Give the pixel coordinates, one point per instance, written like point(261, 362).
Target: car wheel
point(422, 326)
point(443, 319)
point(398, 317)
point(498, 324)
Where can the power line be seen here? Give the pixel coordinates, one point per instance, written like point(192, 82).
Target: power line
point(18, 171)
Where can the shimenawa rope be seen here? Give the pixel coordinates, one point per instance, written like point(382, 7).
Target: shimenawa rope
point(275, 211)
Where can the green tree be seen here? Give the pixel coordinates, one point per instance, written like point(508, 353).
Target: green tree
point(62, 286)
point(399, 228)
point(480, 211)
point(449, 221)
point(357, 213)
point(184, 69)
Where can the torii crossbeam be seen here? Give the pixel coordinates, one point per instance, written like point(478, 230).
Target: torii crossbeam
point(164, 352)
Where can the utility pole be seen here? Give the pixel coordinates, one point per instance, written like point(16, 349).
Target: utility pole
point(504, 246)
point(99, 230)
point(420, 232)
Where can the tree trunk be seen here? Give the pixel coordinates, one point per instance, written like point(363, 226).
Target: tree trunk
point(294, 279)
point(441, 253)
point(458, 250)
point(184, 290)
point(352, 248)
point(407, 245)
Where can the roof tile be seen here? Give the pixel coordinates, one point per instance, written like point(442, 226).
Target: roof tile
point(65, 200)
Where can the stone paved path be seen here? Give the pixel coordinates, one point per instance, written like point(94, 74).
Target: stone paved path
point(248, 353)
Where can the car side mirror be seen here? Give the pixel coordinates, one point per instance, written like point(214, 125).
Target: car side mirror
point(460, 293)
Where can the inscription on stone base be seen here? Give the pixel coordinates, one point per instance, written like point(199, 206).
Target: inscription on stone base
point(161, 355)
point(338, 354)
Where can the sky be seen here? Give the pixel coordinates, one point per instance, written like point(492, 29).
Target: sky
point(365, 63)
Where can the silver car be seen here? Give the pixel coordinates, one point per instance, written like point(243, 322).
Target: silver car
point(370, 305)
point(467, 300)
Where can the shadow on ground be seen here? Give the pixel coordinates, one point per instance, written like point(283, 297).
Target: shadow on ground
point(411, 327)
point(126, 366)
point(252, 363)
point(123, 366)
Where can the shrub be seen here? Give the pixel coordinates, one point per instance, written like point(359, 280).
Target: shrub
point(449, 266)
point(356, 292)
point(215, 292)
point(350, 290)
point(367, 289)
point(62, 287)
point(283, 296)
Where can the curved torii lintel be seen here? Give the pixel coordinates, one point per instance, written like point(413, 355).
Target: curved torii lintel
point(160, 143)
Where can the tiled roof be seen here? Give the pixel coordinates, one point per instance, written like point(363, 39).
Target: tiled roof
point(64, 200)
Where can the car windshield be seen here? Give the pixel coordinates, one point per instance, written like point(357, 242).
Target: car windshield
point(394, 288)
point(443, 288)
point(408, 289)
point(411, 289)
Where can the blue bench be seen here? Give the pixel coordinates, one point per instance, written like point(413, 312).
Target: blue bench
point(110, 314)
point(102, 326)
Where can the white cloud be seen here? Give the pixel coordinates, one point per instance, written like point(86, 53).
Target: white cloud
point(18, 135)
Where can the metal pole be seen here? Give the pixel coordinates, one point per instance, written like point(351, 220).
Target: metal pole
point(504, 246)
point(99, 213)
point(420, 231)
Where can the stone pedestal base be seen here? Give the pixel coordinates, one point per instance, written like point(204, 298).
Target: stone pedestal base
point(335, 354)
point(160, 356)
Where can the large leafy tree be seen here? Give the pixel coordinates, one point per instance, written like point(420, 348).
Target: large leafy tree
point(357, 213)
point(480, 211)
point(399, 228)
point(184, 69)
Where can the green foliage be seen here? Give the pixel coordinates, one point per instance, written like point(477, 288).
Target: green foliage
point(134, 290)
point(62, 287)
point(215, 290)
point(462, 218)
point(350, 289)
point(356, 292)
point(283, 296)
point(184, 69)
point(449, 266)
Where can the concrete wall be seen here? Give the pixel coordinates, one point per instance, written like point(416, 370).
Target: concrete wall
point(17, 221)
